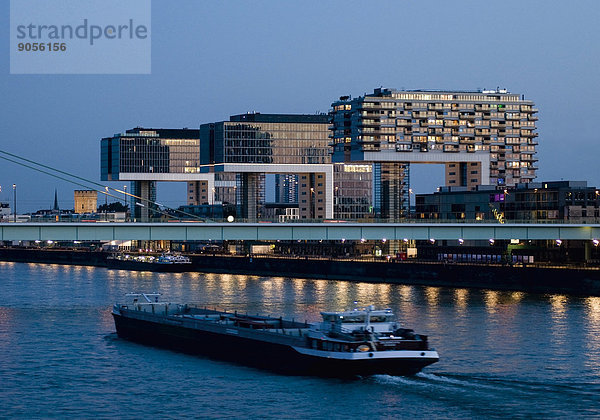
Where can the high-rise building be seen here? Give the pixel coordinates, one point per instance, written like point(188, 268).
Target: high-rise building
point(482, 137)
point(286, 188)
point(252, 145)
point(147, 155)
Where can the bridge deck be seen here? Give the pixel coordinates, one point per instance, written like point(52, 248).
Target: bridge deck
point(190, 231)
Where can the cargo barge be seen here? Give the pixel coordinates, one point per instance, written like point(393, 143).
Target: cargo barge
point(351, 343)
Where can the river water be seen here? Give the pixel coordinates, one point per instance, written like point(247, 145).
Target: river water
point(502, 354)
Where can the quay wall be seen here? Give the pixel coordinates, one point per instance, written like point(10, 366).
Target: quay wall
point(534, 278)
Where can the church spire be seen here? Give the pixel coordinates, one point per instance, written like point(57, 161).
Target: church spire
point(55, 208)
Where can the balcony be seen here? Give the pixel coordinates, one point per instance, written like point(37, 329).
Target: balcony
point(419, 133)
point(528, 133)
point(419, 107)
point(368, 123)
point(451, 148)
point(532, 117)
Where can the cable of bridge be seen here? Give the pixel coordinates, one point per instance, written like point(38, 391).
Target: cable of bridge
point(104, 188)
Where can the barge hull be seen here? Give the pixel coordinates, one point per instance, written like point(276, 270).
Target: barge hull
point(276, 357)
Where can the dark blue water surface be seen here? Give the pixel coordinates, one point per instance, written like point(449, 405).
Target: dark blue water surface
point(502, 354)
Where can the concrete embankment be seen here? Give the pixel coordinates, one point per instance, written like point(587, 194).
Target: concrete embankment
point(536, 279)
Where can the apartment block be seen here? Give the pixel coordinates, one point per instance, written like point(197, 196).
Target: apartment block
point(482, 137)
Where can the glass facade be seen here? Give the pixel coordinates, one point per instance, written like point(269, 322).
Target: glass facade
point(147, 151)
point(268, 138)
point(271, 139)
point(391, 190)
point(353, 191)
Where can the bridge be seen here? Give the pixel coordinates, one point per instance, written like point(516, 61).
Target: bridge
point(194, 231)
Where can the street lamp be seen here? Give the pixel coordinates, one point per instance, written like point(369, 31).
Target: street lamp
point(15, 202)
point(312, 203)
point(212, 208)
point(125, 195)
point(235, 200)
point(535, 210)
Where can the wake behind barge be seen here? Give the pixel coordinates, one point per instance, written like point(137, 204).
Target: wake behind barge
point(346, 344)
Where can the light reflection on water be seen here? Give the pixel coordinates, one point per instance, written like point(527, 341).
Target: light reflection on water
point(592, 339)
point(494, 346)
point(461, 298)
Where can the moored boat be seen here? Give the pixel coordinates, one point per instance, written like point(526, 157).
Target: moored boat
point(345, 344)
point(171, 263)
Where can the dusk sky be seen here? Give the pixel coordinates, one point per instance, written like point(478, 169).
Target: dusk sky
point(211, 59)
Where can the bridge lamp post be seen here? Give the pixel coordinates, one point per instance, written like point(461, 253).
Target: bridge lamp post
point(235, 199)
point(312, 203)
point(15, 202)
